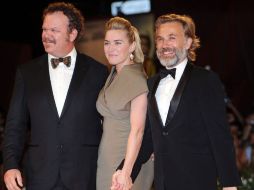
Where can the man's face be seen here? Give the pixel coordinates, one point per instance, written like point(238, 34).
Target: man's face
point(171, 44)
point(56, 38)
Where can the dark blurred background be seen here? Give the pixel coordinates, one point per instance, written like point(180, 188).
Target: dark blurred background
point(225, 27)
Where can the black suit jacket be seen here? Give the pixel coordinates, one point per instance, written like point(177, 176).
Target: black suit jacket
point(194, 148)
point(65, 145)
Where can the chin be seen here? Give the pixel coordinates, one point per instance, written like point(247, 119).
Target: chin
point(48, 49)
point(112, 63)
point(169, 62)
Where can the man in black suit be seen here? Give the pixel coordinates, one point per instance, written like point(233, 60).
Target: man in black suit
point(186, 114)
point(54, 96)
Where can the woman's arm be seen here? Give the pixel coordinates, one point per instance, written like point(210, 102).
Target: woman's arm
point(137, 120)
point(121, 179)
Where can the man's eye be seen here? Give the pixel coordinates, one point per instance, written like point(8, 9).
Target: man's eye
point(53, 30)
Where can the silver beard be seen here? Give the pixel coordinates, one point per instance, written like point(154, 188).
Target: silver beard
point(180, 55)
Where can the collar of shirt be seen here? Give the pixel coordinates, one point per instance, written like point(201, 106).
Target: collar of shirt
point(73, 55)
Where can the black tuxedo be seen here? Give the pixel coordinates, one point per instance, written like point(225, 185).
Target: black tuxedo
point(194, 148)
point(65, 145)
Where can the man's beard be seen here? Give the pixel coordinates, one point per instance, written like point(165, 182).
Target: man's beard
point(180, 55)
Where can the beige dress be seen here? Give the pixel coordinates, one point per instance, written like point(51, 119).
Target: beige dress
point(114, 104)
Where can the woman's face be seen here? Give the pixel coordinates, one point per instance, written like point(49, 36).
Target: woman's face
point(117, 48)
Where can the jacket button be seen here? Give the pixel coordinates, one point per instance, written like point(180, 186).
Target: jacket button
point(60, 147)
point(164, 133)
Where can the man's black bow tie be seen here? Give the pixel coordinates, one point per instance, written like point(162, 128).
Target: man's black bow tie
point(55, 61)
point(165, 72)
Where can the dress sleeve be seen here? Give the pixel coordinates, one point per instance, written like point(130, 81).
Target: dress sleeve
point(134, 84)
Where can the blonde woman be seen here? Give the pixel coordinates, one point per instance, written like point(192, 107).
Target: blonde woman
point(122, 102)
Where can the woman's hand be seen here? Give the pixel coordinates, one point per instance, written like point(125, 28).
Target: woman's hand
point(121, 181)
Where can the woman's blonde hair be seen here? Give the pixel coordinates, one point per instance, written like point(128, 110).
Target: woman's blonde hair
point(119, 23)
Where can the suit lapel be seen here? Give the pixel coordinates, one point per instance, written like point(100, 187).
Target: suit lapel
point(46, 84)
point(152, 98)
point(178, 93)
point(77, 78)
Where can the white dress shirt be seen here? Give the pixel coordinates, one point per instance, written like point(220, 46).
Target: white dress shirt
point(166, 90)
point(60, 78)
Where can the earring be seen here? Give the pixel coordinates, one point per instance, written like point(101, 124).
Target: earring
point(131, 57)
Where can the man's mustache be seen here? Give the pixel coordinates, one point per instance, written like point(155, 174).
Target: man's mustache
point(47, 40)
point(167, 49)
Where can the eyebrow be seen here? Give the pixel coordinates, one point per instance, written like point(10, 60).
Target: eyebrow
point(43, 27)
point(115, 40)
point(172, 35)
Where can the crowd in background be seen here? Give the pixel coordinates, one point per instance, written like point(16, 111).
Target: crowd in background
point(242, 131)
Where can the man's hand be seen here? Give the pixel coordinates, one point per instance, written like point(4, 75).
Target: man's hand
point(13, 179)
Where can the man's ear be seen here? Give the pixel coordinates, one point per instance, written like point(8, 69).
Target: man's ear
point(188, 43)
point(73, 35)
